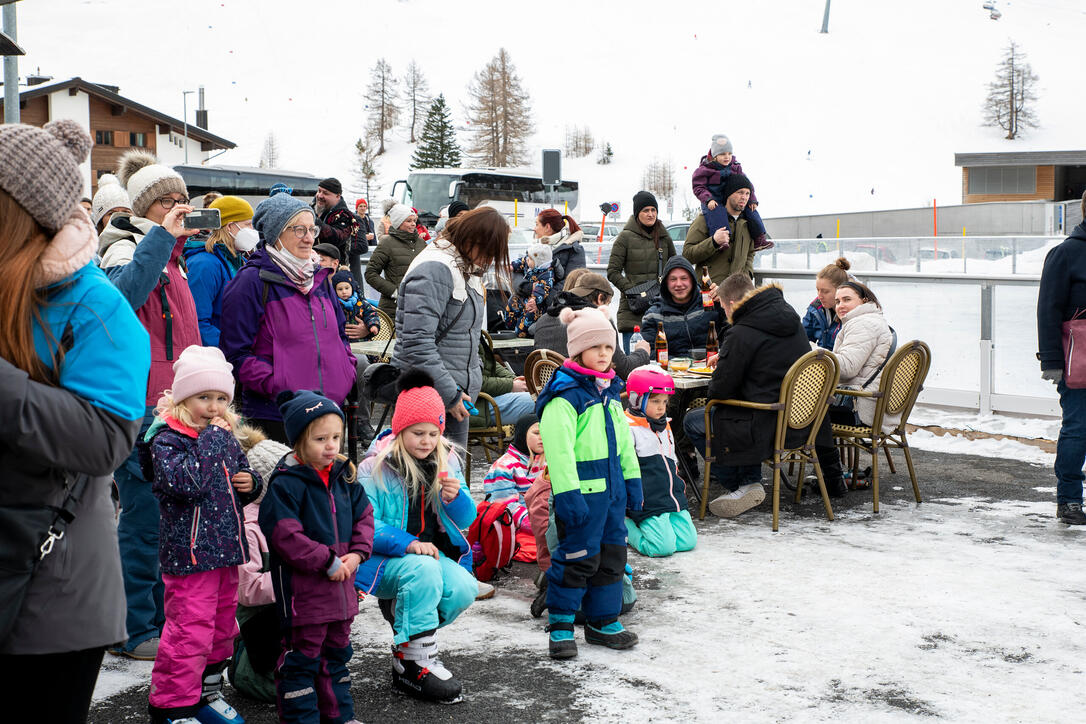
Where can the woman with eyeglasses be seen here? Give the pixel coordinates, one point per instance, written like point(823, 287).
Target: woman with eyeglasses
point(140, 255)
point(282, 325)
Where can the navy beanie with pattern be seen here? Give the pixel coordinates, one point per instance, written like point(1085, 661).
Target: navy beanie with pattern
point(301, 408)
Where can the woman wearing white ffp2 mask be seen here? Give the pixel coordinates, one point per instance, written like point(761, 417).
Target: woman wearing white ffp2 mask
point(245, 240)
point(213, 261)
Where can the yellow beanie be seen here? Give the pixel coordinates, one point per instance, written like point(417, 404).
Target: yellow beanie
point(232, 208)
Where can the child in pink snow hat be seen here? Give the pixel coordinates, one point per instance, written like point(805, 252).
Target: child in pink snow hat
point(202, 480)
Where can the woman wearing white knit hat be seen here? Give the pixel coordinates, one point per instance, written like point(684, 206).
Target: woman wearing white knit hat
point(110, 199)
point(158, 290)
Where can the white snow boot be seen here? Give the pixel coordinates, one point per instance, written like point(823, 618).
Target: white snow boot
point(417, 672)
point(215, 709)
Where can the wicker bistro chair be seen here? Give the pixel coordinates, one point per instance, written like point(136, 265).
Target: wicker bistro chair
point(902, 379)
point(804, 401)
point(492, 438)
point(539, 368)
point(386, 332)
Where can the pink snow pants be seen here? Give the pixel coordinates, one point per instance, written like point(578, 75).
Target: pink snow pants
point(200, 629)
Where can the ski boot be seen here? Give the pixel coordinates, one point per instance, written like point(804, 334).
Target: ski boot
point(215, 709)
point(417, 672)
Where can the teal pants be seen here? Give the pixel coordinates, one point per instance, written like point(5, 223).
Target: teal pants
point(663, 535)
point(429, 593)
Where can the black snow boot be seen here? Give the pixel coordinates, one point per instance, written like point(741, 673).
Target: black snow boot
point(610, 634)
point(1070, 513)
point(539, 603)
point(417, 672)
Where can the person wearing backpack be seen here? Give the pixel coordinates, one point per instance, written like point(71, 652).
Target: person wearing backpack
point(420, 570)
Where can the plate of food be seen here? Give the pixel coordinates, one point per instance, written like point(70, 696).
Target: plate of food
point(700, 370)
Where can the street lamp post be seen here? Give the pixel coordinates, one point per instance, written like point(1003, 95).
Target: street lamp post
point(185, 111)
point(826, 18)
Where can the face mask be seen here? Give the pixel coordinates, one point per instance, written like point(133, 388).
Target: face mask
point(246, 239)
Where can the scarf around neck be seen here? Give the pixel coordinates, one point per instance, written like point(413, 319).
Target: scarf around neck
point(299, 271)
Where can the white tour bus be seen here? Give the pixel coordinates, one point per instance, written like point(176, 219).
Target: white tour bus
point(251, 184)
point(517, 193)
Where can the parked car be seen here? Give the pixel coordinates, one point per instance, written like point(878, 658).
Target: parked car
point(592, 230)
point(930, 253)
point(677, 231)
point(881, 252)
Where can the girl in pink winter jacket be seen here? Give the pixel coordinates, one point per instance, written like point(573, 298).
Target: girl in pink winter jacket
point(202, 480)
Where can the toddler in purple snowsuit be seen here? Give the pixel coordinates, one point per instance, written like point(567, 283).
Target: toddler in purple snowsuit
point(708, 182)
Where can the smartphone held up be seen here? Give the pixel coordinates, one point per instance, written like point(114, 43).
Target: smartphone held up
point(203, 219)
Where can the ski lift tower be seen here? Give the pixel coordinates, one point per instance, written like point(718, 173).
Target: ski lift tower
point(11, 51)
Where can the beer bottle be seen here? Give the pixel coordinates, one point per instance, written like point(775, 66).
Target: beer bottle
point(711, 345)
point(661, 348)
point(706, 288)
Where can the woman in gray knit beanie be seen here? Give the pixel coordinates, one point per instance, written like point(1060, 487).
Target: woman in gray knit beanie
point(73, 358)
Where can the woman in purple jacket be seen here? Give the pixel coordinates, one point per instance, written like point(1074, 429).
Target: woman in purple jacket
point(281, 324)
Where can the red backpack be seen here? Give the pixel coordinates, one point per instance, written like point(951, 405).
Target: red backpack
point(495, 530)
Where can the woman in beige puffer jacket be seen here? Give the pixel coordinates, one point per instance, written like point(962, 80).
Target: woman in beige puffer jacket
point(862, 347)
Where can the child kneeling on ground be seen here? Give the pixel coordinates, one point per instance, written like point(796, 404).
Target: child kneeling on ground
point(663, 526)
point(420, 571)
point(594, 478)
point(319, 526)
point(201, 479)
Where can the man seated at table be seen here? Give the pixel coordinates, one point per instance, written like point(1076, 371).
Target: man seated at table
point(679, 310)
point(507, 389)
point(765, 338)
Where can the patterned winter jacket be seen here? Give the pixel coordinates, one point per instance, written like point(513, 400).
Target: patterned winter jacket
point(586, 437)
point(665, 491)
point(817, 324)
point(307, 524)
point(390, 508)
point(202, 525)
point(360, 311)
point(512, 474)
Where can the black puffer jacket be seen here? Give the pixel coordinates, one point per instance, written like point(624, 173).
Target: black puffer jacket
point(765, 339)
point(686, 325)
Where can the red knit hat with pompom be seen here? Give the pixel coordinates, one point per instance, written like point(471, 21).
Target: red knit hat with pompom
point(417, 402)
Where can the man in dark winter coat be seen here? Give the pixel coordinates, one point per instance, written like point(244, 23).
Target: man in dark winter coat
point(680, 311)
point(765, 339)
point(1062, 296)
point(364, 236)
point(337, 223)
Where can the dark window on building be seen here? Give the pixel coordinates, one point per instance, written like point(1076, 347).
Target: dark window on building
point(137, 139)
point(1002, 179)
point(103, 138)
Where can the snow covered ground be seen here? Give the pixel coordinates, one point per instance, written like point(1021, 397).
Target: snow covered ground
point(956, 609)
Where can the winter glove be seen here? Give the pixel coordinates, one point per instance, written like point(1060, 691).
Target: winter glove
point(1055, 375)
point(635, 496)
point(571, 508)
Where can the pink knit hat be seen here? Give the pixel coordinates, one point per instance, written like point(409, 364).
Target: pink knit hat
point(586, 328)
point(417, 402)
point(199, 369)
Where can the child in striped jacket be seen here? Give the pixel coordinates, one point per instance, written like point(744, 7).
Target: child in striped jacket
point(515, 471)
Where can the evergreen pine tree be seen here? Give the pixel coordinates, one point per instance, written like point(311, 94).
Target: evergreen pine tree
point(437, 145)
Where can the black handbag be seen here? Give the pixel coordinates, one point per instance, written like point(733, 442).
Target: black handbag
point(30, 534)
point(640, 296)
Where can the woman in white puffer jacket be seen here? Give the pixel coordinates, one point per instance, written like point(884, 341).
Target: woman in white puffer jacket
point(862, 347)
